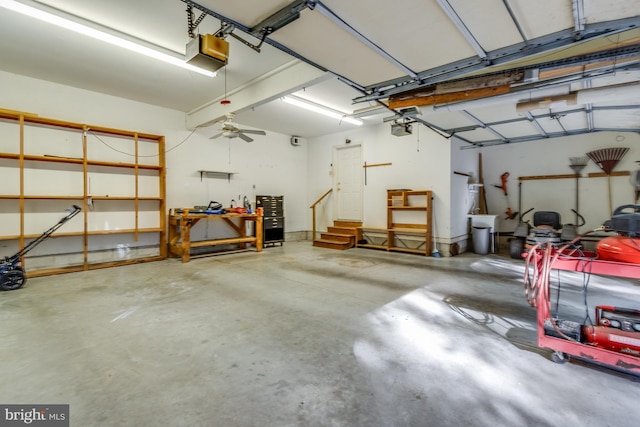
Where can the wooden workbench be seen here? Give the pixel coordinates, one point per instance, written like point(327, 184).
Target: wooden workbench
point(180, 225)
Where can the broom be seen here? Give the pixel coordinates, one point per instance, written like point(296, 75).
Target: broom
point(577, 164)
point(434, 227)
point(607, 159)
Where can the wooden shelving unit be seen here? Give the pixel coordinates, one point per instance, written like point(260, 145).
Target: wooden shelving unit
point(409, 227)
point(48, 165)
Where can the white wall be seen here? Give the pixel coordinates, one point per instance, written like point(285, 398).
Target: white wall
point(462, 199)
point(270, 163)
point(420, 161)
point(551, 157)
point(423, 160)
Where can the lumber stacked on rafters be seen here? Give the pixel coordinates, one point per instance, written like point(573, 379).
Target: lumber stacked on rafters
point(500, 83)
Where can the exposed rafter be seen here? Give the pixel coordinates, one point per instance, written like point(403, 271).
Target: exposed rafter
point(328, 13)
point(504, 55)
point(578, 18)
point(466, 33)
point(534, 120)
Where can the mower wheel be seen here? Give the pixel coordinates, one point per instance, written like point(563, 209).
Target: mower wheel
point(516, 248)
point(13, 279)
point(559, 357)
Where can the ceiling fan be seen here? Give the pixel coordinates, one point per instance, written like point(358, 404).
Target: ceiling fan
point(231, 130)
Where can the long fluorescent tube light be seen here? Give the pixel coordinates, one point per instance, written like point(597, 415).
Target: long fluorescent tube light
point(325, 111)
point(104, 36)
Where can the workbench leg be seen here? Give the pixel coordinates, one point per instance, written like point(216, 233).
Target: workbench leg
point(172, 237)
point(243, 233)
point(258, 225)
point(185, 231)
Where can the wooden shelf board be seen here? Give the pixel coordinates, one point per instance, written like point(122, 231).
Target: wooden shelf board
point(416, 230)
point(229, 241)
point(54, 159)
point(123, 231)
point(121, 165)
point(78, 268)
point(132, 198)
point(372, 246)
point(407, 250)
point(53, 197)
point(76, 160)
point(100, 265)
point(56, 234)
point(10, 237)
point(400, 192)
point(30, 197)
point(408, 208)
point(52, 271)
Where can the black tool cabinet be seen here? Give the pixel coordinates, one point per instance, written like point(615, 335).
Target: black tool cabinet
point(273, 218)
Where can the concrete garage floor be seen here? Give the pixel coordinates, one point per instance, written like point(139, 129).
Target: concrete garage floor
point(304, 336)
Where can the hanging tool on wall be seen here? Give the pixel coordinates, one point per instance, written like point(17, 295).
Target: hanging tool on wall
point(481, 196)
point(510, 214)
point(577, 164)
point(607, 159)
point(365, 166)
point(468, 175)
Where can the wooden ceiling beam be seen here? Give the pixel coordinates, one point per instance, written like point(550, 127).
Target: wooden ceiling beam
point(450, 97)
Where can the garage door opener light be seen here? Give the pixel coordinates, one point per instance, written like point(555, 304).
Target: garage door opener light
point(104, 34)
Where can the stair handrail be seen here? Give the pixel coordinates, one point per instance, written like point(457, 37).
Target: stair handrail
point(313, 208)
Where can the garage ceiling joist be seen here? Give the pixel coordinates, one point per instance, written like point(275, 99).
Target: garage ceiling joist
point(535, 122)
point(540, 45)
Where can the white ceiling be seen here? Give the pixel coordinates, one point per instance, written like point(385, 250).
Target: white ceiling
point(360, 50)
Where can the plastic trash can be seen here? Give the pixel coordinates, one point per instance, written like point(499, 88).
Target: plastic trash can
point(480, 237)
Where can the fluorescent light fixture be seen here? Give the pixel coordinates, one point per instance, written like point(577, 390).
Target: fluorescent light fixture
point(81, 28)
point(320, 109)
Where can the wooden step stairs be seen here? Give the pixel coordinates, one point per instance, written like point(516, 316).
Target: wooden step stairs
point(341, 236)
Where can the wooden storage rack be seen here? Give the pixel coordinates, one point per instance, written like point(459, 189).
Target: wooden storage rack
point(398, 229)
point(80, 166)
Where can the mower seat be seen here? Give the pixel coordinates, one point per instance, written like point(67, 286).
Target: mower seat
point(547, 219)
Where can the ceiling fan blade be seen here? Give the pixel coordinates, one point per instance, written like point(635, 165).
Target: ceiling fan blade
point(245, 137)
point(255, 132)
point(216, 135)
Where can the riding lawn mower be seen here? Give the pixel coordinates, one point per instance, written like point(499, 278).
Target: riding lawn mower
point(547, 228)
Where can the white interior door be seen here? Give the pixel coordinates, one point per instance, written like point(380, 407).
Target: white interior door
point(347, 182)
